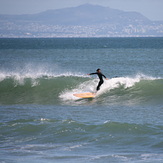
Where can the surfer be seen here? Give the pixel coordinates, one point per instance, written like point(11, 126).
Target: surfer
point(100, 75)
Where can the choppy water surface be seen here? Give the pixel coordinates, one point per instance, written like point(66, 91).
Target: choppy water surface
point(41, 120)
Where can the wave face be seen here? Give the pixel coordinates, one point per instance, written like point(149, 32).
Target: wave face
point(43, 88)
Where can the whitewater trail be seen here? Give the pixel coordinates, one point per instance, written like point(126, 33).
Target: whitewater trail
point(113, 83)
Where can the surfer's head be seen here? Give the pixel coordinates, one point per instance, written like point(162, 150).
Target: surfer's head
point(98, 70)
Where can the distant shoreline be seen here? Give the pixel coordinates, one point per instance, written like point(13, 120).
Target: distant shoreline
point(80, 37)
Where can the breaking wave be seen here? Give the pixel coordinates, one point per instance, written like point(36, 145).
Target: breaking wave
point(50, 88)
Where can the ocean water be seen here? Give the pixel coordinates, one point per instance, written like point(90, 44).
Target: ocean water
point(41, 121)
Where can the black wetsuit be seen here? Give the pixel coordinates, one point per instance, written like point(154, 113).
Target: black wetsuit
point(100, 75)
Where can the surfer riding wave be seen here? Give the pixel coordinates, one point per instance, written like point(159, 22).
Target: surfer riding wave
point(100, 75)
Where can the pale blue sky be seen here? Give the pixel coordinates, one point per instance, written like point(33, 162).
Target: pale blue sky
point(153, 9)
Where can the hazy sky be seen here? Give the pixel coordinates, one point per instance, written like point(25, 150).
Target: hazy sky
point(153, 9)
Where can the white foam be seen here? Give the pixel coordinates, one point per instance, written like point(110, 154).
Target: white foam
point(29, 72)
point(90, 86)
point(126, 82)
point(87, 86)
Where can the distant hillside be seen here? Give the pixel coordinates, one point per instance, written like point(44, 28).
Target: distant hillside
point(85, 20)
point(83, 15)
point(89, 15)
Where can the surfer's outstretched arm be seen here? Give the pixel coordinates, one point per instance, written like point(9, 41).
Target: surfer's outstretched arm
point(92, 73)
